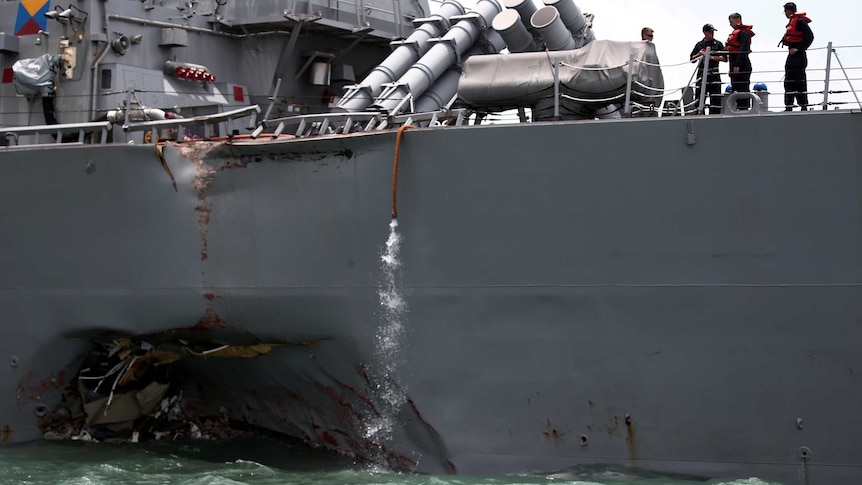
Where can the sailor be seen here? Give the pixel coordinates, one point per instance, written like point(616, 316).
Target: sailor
point(797, 39)
point(647, 34)
point(713, 78)
point(739, 47)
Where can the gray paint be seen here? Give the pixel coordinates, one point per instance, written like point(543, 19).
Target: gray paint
point(559, 277)
point(712, 299)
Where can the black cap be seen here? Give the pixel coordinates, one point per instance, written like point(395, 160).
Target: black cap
point(790, 6)
point(709, 28)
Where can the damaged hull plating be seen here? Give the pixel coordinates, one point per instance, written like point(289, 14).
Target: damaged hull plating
point(677, 310)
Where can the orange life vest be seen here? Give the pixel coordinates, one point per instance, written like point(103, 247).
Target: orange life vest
point(792, 35)
point(733, 42)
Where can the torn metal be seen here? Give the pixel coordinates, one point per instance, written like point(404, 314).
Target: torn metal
point(127, 390)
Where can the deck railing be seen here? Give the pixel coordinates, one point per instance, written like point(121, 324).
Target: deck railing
point(365, 12)
point(34, 135)
point(345, 123)
point(830, 80)
point(834, 73)
point(60, 132)
point(833, 82)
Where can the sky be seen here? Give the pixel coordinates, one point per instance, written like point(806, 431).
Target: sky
point(678, 24)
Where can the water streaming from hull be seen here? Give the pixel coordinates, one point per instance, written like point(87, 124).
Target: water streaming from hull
point(389, 346)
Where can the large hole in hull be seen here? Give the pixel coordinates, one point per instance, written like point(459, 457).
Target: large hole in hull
point(137, 388)
point(218, 384)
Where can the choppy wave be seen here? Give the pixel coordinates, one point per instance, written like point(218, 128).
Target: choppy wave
point(264, 462)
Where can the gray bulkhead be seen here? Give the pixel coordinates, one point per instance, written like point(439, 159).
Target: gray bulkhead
point(315, 48)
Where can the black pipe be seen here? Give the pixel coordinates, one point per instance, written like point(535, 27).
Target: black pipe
point(48, 110)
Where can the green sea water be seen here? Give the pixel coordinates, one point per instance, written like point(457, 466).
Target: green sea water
point(263, 461)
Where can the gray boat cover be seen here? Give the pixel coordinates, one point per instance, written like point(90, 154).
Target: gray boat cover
point(35, 76)
point(507, 81)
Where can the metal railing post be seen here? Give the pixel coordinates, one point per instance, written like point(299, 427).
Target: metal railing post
point(556, 89)
point(704, 76)
point(129, 91)
point(627, 110)
point(847, 77)
point(826, 82)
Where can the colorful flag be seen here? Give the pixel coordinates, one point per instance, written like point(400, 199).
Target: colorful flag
point(31, 17)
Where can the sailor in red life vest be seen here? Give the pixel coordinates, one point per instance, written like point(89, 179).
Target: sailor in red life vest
point(797, 39)
point(739, 46)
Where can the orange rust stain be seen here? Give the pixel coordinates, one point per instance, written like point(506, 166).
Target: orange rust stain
point(630, 439)
point(209, 296)
point(329, 439)
point(5, 434)
point(203, 214)
point(613, 428)
point(34, 391)
point(202, 181)
point(210, 321)
point(405, 463)
point(194, 148)
point(235, 163)
point(344, 411)
point(355, 449)
point(203, 211)
point(557, 436)
point(553, 433)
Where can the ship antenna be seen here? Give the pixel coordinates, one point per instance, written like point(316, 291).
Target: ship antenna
point(395, 170)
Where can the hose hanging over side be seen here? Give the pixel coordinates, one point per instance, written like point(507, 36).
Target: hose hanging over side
point(395, 170)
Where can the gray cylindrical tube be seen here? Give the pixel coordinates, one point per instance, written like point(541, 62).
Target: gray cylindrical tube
point(557, 37)
point(571, 15)
point(525, 8)
point(397, 63)
point(443, 89)
point(508, 24)
point(439, 57)
point(495, 41)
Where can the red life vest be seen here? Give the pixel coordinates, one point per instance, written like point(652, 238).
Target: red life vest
point(792, 35)
point(733, 42)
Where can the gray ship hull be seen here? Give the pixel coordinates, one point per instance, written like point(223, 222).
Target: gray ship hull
point(686, 302)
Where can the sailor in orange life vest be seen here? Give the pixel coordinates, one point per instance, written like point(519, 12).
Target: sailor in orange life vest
point(739, 46)
point(797, 39)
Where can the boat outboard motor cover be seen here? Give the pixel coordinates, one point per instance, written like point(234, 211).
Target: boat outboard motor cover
point(35, 76)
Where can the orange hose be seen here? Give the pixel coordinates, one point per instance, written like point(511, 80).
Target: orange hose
point(395, 170)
